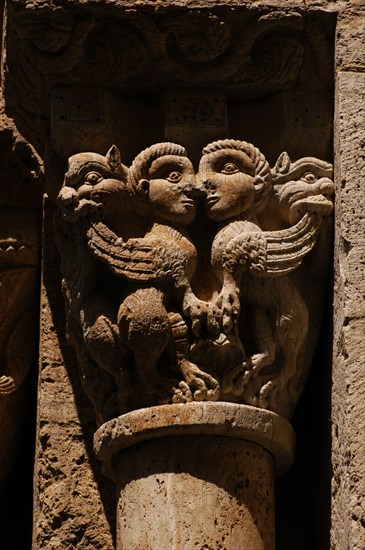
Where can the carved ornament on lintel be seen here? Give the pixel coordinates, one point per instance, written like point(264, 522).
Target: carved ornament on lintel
point(248, 54)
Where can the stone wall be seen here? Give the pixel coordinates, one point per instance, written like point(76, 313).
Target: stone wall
point(55, 101)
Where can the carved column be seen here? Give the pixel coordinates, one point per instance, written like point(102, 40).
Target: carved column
point(196, 475)
point(193, 381)
point(193, 270)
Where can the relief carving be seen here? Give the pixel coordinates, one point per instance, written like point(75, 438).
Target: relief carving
point(151, 321)
point(245, 54)
point(21, 173)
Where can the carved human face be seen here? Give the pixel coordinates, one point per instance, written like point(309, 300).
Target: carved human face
point(227, 178)
point(171, 188)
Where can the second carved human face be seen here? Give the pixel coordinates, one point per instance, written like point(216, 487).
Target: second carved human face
point(227, 178)
point(171, 189)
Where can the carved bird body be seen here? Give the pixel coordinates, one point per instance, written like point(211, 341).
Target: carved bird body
point(164, 260)
point(157, 269)
point(251, 263)
point(94, 187)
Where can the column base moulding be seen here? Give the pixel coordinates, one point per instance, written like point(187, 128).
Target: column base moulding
point(195, 475)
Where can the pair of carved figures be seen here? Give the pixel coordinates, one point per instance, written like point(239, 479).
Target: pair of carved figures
point(178, 284)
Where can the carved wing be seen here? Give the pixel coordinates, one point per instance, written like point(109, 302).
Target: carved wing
point(287, 248)
point(135, 259)
point(273, 253)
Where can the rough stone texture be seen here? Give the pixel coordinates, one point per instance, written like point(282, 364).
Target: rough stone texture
point(348, 398)
point(187, 492)
point(293, 123)
point(264, 428)
point(195, 475)
point(67, 477)
point(20, 224)
point(177, 318)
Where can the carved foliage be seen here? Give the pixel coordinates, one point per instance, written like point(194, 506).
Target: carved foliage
point(135, 313)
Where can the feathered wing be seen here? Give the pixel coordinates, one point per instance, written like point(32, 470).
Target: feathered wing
point(272, 253)
point(287, 248)
point(135, 259)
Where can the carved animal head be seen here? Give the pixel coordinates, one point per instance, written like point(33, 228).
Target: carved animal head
point(93, 181)
point(163, 178)
point(236, 178)
point(303, 186)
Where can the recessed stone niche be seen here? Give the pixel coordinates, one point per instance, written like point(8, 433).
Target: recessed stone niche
point(95, 74)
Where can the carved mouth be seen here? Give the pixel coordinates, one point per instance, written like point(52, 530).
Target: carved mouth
point(188, 202)
point(212, 199)
point(315, 203)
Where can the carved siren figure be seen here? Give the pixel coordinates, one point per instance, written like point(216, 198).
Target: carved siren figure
point(142, 336)
point(94, 186)
point(149, 364)
point(252, 266)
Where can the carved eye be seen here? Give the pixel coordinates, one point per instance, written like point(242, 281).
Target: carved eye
point(174, 177)
point(230, 168)
point(93, 178)
point(309, 177)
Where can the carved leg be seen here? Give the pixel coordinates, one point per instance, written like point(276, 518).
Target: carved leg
point(144, 324)
point(292, 331)
point(202, 385)
point(238, 377)
point(101, 334)
point(98, 384)
point(264, 340)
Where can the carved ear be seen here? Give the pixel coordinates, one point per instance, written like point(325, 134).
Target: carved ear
point(143, 187)
point(113, 158)
point(282, 164)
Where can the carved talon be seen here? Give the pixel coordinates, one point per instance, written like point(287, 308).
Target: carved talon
point(237, 378)
point(261, 360)
point(7, 385)
point(168, 390)
point(203, 385)
point(182, 394)
point(263, 395)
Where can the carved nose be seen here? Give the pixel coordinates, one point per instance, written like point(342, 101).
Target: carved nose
point(195, 192)
point(196, 189)
point(67, 196)
point(326, 186)
point(207, 185)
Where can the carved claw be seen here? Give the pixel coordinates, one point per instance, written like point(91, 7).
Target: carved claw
point(260, 398)
point(168, 390)
point(237, 379)
point(182, 394)
point(7, 385)
point(204, 386)
point(264, 393)
point(238, 376)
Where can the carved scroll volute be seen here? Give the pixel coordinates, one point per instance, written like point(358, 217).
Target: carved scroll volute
point(142, 334)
